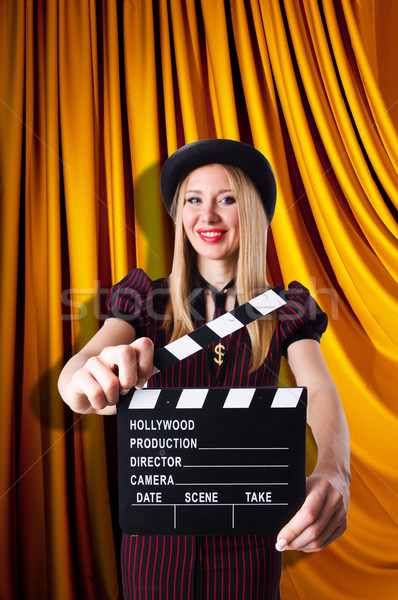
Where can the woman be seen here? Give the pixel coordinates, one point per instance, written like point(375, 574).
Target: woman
point(222, 195)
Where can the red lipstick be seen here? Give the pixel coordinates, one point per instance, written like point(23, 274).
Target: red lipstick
point(211, 235)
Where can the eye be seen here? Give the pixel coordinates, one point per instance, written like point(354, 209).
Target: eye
point(192, 200)
point(228, 200)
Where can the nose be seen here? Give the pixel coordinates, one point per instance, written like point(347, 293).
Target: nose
point(209, 213)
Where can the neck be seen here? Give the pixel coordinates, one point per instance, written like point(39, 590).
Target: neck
point(217, 273)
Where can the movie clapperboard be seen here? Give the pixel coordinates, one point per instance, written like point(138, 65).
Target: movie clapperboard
point(200, 461)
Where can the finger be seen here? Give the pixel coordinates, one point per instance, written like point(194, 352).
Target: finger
point(109, 383)
point(335, 535)
point(317, 491)
point(332, 523)
point(314, 538)
point(144, 350)
point(125, 358)
point(307, 515)
point(87, 392)
point(322, 513)
point(323, 540)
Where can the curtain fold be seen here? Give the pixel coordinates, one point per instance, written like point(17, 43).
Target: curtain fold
point(93, 98)
point(12, 43)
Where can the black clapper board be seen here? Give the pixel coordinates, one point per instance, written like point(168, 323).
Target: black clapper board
point(210, 460)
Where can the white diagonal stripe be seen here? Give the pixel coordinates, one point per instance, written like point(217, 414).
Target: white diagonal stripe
point(224, 325)
point(183, 347)
point(192, 398)
point(267, 302)
point(144, 398)
point(286, 398)
point(239, 398)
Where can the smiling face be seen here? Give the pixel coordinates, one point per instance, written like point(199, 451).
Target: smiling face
point(210, 215)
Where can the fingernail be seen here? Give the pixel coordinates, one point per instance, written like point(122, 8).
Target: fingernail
point(280, 545)
point(124, 392)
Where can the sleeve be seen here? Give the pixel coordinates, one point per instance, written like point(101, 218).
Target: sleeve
point(127, 299)
point(301, 317)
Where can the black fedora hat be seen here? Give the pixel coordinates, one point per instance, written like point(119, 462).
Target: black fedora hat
point(220, 151)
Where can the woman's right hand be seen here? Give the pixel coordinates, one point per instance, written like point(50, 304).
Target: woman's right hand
point(96, 385)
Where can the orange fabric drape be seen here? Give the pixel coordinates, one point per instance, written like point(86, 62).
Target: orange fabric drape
point(93, 97)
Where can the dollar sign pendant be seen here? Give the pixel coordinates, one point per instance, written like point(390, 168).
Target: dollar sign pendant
point(220, 351)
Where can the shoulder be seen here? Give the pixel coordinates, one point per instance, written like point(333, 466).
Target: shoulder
point(140, 282)
point(299, 302)
point(133, 290)
point(301, 317)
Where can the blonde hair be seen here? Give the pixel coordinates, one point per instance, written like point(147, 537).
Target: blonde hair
point(250, 279)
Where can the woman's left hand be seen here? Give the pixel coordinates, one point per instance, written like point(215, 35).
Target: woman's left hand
point(322, 517)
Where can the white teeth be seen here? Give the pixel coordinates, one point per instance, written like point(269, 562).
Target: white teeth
point(210, 233)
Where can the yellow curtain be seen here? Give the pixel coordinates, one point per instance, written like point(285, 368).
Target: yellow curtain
point(93, 97)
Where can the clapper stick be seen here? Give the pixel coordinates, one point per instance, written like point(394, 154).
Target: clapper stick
point(218, 328)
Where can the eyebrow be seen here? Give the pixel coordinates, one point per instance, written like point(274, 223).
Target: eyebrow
point(201, 191)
